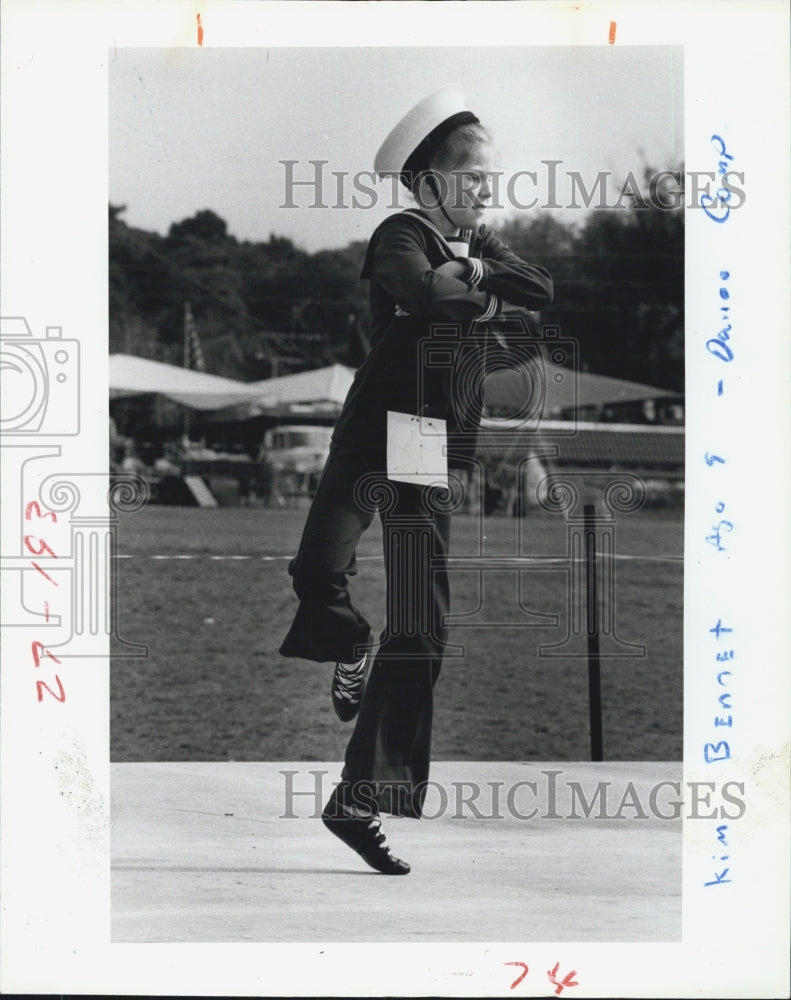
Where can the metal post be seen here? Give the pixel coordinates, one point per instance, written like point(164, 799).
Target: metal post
point(594, 672)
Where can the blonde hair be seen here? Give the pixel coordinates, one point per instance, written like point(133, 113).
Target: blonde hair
point(444, 150)
point(453, 150)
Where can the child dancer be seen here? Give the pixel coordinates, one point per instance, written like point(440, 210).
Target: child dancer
point(422, 271)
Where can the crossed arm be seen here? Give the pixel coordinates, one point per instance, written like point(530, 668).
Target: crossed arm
point(479, 288)
point(459, 270)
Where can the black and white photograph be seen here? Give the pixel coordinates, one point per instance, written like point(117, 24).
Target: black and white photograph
point(438, 534)
point(386, 566)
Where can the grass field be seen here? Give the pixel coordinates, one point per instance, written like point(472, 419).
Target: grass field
point(208, 592)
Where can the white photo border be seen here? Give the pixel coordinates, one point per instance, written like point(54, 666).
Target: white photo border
point(56, 877)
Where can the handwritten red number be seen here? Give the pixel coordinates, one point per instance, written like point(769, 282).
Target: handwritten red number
point(48, 689)
point(45, 575)
point(568, 980)
point(37, 649)
point(33, 506)
point(38, 552)
point(519, 979)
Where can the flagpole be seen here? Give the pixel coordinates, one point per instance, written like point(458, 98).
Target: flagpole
point(187, 312)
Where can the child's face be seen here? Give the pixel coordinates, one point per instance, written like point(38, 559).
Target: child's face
point(470, 188)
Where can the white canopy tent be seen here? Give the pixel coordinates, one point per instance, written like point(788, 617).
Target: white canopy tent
point(131, 376)
point(322, 385)
point(323, 390)
point(552, 389)
point(320, 392)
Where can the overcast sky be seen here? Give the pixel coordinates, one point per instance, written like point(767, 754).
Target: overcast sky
point(194, 128)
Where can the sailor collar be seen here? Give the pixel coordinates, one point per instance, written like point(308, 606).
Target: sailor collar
point(417, 215)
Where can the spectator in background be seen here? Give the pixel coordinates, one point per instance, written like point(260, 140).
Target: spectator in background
point(117, 446)
point(132, 463)
point(167, 463)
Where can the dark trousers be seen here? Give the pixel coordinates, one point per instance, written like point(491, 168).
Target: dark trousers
point(387, 758)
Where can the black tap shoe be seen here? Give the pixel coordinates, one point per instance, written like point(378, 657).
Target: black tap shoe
point(362, 831)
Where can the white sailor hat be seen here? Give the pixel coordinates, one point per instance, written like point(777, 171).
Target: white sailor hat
point(435, 114)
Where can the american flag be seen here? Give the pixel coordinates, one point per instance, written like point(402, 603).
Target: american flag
point(193, 355)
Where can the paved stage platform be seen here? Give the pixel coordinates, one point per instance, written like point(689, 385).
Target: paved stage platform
point(231, 852)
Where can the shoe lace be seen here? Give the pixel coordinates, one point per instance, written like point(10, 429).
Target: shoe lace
point(349, 679)
point(375, 826)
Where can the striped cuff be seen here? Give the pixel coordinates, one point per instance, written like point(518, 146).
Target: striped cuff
point(491, 310)
point(476, 271)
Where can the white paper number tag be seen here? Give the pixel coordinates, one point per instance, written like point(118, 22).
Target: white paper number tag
point(416, 451)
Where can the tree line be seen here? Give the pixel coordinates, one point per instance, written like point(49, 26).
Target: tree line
point(269, 308)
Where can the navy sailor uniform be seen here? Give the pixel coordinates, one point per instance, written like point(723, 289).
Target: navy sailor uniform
point(390, 747)
point(407, 296)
